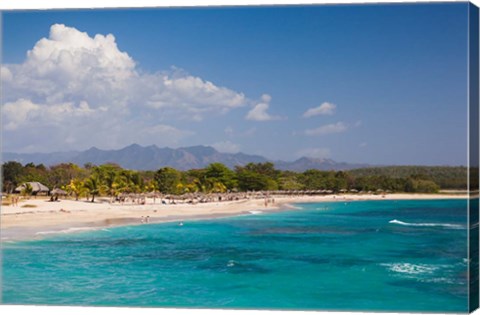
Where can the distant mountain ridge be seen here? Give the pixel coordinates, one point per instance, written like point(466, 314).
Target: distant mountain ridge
point(152, 158)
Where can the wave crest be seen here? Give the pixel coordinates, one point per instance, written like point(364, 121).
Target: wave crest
point(444, 225)
point(413, 269)
point(67, 231)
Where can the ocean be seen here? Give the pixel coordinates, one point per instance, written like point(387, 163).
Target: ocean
point(349, 256)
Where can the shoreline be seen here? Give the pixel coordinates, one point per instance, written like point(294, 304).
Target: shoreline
point(42, 218)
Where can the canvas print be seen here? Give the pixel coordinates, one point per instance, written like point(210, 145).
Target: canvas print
point(299, 157)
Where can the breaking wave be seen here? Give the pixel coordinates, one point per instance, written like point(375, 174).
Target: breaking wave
point(66, 231)
point(444, 225)
point(412, 269)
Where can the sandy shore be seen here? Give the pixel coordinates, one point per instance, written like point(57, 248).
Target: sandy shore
point(35, 218)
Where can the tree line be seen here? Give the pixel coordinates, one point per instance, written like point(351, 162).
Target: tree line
point(112, 180)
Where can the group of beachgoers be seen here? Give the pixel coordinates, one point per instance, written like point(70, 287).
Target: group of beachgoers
point(269, 200)
point(141, 200)
point(15, 200)
point(194, 198)
point(146, 220)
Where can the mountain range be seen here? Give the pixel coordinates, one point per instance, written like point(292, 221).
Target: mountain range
point(151, 157)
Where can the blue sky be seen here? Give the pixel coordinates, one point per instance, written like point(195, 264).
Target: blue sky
point(379, 84)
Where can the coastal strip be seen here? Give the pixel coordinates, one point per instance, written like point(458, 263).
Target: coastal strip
point(38, 218)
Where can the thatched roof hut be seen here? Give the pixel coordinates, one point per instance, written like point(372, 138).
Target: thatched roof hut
point(58, 191)
point(36, 187)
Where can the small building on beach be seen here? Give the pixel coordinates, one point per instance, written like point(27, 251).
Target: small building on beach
point(37, 188)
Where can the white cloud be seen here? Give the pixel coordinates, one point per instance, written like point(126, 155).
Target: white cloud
point(71, 64)
point(16, 113)
point(266, 98)
point(161, 134)
point(192, 94)
point(319, 153)
point(229, 131)
point(5, 74)
point(250, 132)
point(259, 111)
point(73, 54)
point(71, 82)
point(324, 109)
point(25, 113)
point(167, 131)
point(327, 129)
point(226, 147)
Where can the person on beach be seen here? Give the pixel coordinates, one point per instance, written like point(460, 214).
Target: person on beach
point(142, 220)
point(148, 219)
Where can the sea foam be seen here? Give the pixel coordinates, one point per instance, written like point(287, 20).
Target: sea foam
point(445, 225)
point(412, 269)
point(66, 231)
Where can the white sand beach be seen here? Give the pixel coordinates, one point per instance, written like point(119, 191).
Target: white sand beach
point(36, 217)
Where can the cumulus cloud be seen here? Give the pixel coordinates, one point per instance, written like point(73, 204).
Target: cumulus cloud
point(324, 109)
point(22, 110)
point(229, 131)
point(327, 129)
point(226, 147)
point(250, 132)
point(18, 112)
point(191, 94)
point(5, 74)
point(167, 131)
point(318, 153)
point(266, 98)
point(259, 111)
point(73, 80)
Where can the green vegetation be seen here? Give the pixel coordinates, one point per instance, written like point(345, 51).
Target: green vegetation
point(112, 180)
point(446, 177)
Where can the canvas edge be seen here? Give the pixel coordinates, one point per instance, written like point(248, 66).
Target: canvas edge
point(473, 156)
point(472, 129)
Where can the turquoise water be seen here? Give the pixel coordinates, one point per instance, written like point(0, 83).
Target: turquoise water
point(372, 255)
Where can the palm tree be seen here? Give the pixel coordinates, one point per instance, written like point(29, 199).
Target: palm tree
point(93, 186)
point(76, 187)
point(28, 190)
point(218, 187)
